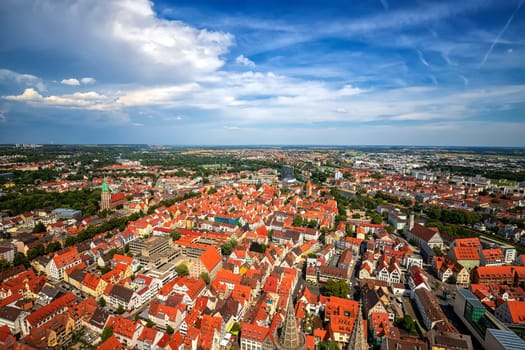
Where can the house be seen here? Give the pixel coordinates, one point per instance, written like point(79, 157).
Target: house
point(508, 275)
point(7, 339)
point(93, 285)
point(121, 296)
point(13, 318)
point(62, 261)
point(423, 235)
point(511, 312)
point(417, 279)
point(164, 315)
point(429, 308)
point(151, 338)
point(125, 330)
point(467, 257)
point(492, 257)
point(446, 267)
point(38, 317)
point(254, 337)
point(112, 343)
point(57, 332)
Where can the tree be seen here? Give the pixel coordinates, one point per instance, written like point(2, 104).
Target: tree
point(297, 221)
point(106, 333)
point(437, 250)
point(120, 310)
point(4, 265)
point(451, 280)
point(70, 240)
point(169, 330)
point(175, 234)
point(226, 249)
point(337, 288)
point(182, 270)
point(257, 247)
point(35, 252)
point(236, 328)
point(53, 247)
point(39, 227)
point(377, 219)
point(205, 277)
point(408, 324)
point(102, 302)
point(328, 345)
point(20, 259)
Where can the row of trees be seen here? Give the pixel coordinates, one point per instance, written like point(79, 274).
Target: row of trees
point(85, 200)
point(452, 216)
point(495, 174)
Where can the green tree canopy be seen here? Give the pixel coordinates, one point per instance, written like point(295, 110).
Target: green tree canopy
point(226, 249)
point(39, 227)
point(106, 333)
point(205, 277)
point(337, 288)
point(182, 270)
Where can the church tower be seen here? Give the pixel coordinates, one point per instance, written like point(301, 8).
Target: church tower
point(105, 197)
point(289, 337)
point(308, 188)
point(358, 338)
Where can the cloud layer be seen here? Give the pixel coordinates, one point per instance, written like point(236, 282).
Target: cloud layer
point(322, 73)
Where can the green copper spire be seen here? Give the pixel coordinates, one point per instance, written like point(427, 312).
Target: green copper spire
point(105, 187)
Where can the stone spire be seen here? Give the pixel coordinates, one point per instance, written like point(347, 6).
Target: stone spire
point(105, 196)
point(289, 337)
point(358, 339)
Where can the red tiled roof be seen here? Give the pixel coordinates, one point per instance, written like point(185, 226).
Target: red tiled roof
point(45, 311)
point(66, 258)
point(466, 253)
point(122, 326)
point(210, 258)
point(112, 343)
point(254, 332)
point(517, 311)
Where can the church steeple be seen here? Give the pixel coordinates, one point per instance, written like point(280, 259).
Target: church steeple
point(358, 339)
point(289, 337)
point(105, 196)
point(105, 186)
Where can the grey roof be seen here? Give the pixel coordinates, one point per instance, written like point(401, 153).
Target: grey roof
point(9, 313)
point(50, 291)
point(508, 339)
point(121, 292)
point(468, 295)
point(99, 318)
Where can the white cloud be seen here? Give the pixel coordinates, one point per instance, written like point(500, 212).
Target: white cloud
point(422, 58)
point(156, 95)
point(88, 80)
point(79, 100)
point(349, 90)
point(126, 38)
point(3, 117)
point(245, 61)
point(70, 82)
point(22, 79)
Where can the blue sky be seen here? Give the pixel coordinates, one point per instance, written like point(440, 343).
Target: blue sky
point(232, 72)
